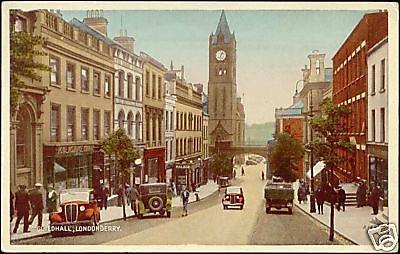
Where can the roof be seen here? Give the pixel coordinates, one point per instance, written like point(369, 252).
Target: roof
point(82, 26)
point(294, 110)
point(223, 28)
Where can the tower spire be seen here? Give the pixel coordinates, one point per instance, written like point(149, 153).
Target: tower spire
point(223, 28)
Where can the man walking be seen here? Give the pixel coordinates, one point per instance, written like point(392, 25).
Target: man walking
point(262, 175)
point(341, 198)
point(242, 171)
point(133, 197)
point(320, 200)
point(103, 196)
point(37, 204)
point(185, 201)
point(128, 194)
point(374, 198)
point(11, 206)
point(22, 207)
point(51, 200)
point(361, 193)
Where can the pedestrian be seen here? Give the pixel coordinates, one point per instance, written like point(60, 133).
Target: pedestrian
point(320, 196)
point(234, 174)
point(120, 192)
point(341, 198)
point(11, 206)
point(185, 201)
point(174, 189)
point(361, 194)
point(374, 199)
point(51, 200)
point(243, 171)
point(22, 208)
point(128, 194)
point(103, 193)
point(300, 194)
point(134, 194)
point(262, 175)
point(36, 199)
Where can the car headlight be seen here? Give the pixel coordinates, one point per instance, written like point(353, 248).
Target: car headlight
point(82, 208)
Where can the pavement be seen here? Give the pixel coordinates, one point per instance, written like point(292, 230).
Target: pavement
point(112, 213)
point(352, 224)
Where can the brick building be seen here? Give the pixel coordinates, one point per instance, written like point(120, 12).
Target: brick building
point(350, 89)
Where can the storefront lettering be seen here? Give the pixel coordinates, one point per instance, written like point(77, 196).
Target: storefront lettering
point(74, 149)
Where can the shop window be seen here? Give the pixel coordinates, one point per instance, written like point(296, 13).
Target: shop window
point(84, 124)
point(70, 123)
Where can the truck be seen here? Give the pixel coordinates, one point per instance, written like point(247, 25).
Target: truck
point(278, 195)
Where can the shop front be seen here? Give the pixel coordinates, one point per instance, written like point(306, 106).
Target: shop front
point(378, 174)
point(76, 166)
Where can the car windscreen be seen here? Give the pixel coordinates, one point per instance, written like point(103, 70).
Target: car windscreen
point(74, 196)
point(280, 186)
point(154, 189)
point(233, 190)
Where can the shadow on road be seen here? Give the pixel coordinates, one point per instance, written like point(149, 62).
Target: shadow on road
point(279, 212)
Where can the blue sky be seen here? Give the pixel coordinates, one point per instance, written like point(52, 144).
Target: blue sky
point(272, 46)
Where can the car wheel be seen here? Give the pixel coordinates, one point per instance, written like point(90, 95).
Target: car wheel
point(162, 212)
point(224, 207)
point(290, 210)
point(156, 203)
point(140, 216)
point(267, 209)
point(169, 214)
point(241, 207)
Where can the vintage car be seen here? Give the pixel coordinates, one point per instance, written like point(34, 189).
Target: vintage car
point(78, 212)
point(224, 181)
point(154, 198)
point(233, 197)
point(278, 195)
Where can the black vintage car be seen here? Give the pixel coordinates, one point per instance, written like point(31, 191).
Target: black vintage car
point(154, 198)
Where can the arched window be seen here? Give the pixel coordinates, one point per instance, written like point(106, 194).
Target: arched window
point(121, 119)
point(137, 127)
point(24, 137)
point(138, 85)
point(130, 123)
point(121, 79)
point(130, 86)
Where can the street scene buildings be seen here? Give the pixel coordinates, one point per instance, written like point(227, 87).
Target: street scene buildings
point(190, 157)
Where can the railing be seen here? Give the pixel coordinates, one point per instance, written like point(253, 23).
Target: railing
point(68, 30)
point(51, 21)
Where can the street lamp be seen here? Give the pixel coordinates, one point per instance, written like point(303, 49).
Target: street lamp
point(312, 196)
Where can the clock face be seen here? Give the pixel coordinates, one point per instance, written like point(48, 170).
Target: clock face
point(220, 55)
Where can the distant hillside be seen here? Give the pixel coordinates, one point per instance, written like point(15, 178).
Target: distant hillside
point(258, 134)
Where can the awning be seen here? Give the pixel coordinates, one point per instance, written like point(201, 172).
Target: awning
point(318, 167)
point(58, 168)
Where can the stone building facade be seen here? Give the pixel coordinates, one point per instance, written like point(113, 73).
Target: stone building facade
point(350, 89)
point(153, 169)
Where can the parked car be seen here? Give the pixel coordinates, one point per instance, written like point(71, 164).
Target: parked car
point(154, 198)
point(79, 212)
point(251, 162)
point(233, 197)
point(278, 195)
point(224, 181)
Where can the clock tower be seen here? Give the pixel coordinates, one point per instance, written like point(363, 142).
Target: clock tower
point(222, 101)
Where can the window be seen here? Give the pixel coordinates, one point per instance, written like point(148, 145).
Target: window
point(121, 119)
point(166, 120)
point(160, 85)
point(154, 130)
point(55, 122)
point(54, 73)
point(19, 25)
point(96, 124)
point(137, 81)
point(147, 128)
point(107, 120)
point(130, 84)
point(153, 86)
point(137, 128)
point(107, 90)
point(70, 123)
point(382, 75)
point(373, 80)
point(84, 80)
point(96, 83)
point(373, 125)
point(160, 130)
point(147, 83)
point(171, 121)
point(84, 123)
point(382, 125)
point(121, 80)
point(70, 75)
point(130, 123)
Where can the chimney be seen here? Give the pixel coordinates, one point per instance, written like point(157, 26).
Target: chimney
point(95, 19)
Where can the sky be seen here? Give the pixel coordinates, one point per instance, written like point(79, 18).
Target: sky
point(272, 46)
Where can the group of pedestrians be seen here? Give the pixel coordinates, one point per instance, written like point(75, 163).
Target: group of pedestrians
point(30, 202)
point(303, 191)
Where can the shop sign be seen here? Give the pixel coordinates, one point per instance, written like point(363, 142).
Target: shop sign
point(74, 149)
